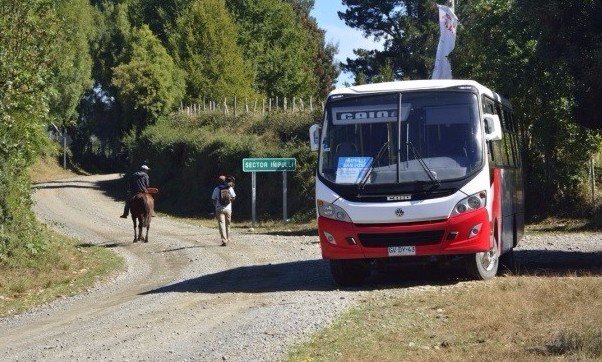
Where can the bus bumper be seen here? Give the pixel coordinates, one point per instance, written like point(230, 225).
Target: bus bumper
point(462, 234)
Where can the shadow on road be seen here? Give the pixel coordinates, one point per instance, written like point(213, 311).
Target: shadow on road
point(65, 184)
point(558, 262)
point(314, 275)
point(115, 188)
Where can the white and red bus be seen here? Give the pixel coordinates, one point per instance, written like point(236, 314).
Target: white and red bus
point(417, 170)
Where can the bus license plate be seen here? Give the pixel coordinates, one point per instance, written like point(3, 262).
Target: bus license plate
point(402, 250)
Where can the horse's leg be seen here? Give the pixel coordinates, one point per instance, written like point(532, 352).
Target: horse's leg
point(147, 227)
point(140, 226)
point(135, 235)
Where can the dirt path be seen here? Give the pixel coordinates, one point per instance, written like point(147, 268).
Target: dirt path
point(183, 296)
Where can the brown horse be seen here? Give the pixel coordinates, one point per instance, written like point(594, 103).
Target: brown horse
point(142, 207)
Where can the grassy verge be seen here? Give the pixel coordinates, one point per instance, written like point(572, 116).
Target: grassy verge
point(65, 267)
point(530, 318)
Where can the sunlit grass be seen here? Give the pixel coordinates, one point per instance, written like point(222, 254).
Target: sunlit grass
point(525, 318)
point(64, 269)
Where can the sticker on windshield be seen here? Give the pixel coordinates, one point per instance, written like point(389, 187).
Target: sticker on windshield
point(352, 170)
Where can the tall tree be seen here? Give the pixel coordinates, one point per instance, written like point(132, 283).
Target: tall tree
point(148, 83)
point(408, 29)
point(72, 63)
point(502, 45)
point(279, 47)
point(325, 70)
point(570, 33)
point(204, 45)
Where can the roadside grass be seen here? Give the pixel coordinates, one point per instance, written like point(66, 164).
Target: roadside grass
point(515, 318)
point(66, 267)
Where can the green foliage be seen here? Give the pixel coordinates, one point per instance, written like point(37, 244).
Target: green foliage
point(72, 62)
point(149, 85)
point(204, 44)
point(26, 33)
point(505, 51)
point(285, 48)
point(409, 31)
point(187, 154)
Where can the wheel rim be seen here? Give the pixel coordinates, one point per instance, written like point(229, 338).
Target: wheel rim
point(489, 258)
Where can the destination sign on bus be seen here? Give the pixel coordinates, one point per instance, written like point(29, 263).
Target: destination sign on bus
point(381, 113)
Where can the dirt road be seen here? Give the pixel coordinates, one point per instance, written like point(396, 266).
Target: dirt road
point(185, 298)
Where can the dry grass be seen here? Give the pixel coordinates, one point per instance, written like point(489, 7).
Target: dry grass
point(65, 268)
point(47, 168)
point(507, 319)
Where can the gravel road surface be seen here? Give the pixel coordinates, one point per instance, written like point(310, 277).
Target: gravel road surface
point(183, 297)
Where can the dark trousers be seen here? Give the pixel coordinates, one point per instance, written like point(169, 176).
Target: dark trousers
point(126, 208)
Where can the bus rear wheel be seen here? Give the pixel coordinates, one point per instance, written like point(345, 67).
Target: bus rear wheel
point(483, 265)
point(348, 272)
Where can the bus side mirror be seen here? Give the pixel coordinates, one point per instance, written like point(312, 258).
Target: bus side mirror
point(314, 137)
point(493, 127)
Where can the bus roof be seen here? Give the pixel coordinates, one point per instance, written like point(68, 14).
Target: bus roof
point(417, 85)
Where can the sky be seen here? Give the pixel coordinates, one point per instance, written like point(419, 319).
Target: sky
point(325, 12)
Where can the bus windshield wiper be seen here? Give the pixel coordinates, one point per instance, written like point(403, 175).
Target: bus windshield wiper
point(431, 175)
point(375, 159)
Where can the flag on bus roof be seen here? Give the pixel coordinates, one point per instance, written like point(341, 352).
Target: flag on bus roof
point(448, 22)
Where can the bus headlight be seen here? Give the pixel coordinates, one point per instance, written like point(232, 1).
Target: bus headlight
point(470, 203)
point(332, 211)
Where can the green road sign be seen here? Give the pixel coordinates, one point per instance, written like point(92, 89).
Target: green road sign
point(268, 164)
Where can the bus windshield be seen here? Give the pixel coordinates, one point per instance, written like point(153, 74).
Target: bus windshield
point(419, 136)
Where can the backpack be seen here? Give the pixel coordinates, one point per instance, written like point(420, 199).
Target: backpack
point(224, 196)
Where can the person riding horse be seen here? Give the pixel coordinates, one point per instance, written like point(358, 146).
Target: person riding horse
point(139, 182)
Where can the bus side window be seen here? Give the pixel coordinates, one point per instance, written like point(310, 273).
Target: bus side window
point(493, 155)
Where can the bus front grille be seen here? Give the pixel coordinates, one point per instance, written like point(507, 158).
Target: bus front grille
point(401, 239)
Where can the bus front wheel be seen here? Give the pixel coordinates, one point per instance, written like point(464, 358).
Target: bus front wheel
point(348, 272)
point(483, 265)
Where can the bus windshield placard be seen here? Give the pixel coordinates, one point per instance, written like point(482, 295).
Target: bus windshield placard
point(352, 169)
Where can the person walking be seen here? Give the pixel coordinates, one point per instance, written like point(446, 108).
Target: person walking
point(139, 182)
point(223, 195)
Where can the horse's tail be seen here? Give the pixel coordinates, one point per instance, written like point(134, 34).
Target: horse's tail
point(147, 211)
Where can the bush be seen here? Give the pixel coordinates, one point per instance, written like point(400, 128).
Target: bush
point(187, 154)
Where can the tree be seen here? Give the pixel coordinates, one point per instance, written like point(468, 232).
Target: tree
point(27, 33)
point(149, 84)
point(408, 29)
point(570, 33)
point(71, 63)
point(284, 47)
point(204, 45)
point(502, 45)
point(325, 70)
